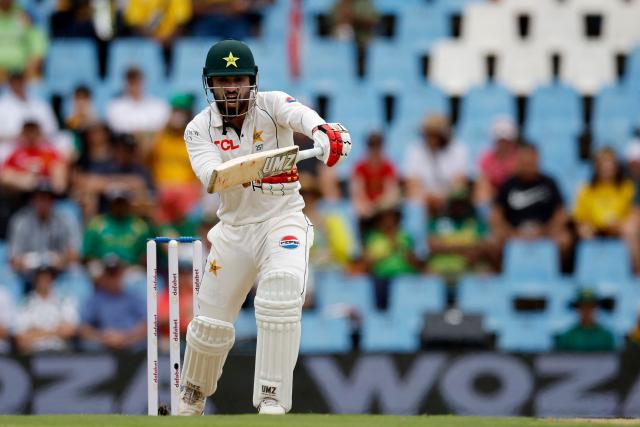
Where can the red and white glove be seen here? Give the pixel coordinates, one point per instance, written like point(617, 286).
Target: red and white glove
point(279, 185)
point(335, 142)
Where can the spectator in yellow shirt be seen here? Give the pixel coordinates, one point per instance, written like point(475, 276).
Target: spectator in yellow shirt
point(169, 162)
point(161, 19)
point(604, 207)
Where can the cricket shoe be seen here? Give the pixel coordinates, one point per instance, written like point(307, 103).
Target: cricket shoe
point(270, 406)
point(191, 401)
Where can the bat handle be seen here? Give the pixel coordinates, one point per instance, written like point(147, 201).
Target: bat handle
point(307, 154)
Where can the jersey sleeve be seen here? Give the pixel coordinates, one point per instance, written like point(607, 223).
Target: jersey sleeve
point(203, 155)
point(289, 112)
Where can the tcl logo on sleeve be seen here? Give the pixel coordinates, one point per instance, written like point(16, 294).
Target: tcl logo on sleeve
point(226, 144)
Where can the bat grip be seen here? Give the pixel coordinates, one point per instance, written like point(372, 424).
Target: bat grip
point(307, 154)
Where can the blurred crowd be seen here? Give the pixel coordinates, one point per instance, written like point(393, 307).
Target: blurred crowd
point(84, 191)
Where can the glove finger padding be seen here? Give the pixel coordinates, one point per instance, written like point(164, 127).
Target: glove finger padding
point(335, 142)
point(279, 185)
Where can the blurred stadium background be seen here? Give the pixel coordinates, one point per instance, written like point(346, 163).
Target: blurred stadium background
point(491, 201)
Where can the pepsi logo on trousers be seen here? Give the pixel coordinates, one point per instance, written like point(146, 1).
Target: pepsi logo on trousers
point(289, 242)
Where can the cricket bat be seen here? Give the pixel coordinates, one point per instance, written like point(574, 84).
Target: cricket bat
point(257, 166)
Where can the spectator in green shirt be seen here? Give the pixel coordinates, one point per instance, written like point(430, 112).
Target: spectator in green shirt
point(587, 335)
point(22, 45)
point(118, 231)
point(388, 253)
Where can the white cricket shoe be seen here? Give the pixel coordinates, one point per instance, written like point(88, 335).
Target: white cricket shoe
point(270, 407)
point(191, 402)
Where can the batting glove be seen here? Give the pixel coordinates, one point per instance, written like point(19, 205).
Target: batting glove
point(335, 142)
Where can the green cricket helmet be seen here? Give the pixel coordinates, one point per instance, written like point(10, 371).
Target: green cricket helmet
point(230, 58)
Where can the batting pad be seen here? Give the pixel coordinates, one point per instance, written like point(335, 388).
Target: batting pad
point(278, 305)
point(208, 343)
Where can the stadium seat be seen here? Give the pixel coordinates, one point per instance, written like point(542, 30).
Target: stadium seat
point(559, 28)
point(339, 290)
point(538, 259)
point(272, 29)
point(324, 334)
point(632, 71)
point(328, 75)
point(13, 283)
point(69, 63)
point(554, 109)
point(356, 106)
point(399, 136)
point(569, 177)
point(4, 257)
point(455, 67)
point(415, 103)
point(475, 293)
point(525, 333)
point(420, 26)
point(385, 332)
point(392, 67)
point(451, 7)
point(75, 284)
point(479, 108)
point(602, 260)
point(621, 31)
point(488, 26)
point(588, 67)
point(414, 218)
point(554, 147)
point(273, 72)
point(189, 55)
point(613, 118)
point(624, 295)
point(141, 53)
point(522, 67)
point(412, 296)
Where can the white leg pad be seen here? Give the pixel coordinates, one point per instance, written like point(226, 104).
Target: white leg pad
point(278, 305)
point(208, 343)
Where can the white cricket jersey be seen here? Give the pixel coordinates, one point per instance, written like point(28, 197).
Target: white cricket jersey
point(269, 125)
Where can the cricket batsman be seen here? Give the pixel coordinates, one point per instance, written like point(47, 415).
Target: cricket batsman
point(262, 233)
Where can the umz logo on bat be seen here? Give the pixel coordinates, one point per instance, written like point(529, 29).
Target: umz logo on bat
point(268, 390)
point(277, 164)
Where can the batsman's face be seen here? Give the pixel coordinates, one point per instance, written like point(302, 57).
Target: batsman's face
point(234, 91)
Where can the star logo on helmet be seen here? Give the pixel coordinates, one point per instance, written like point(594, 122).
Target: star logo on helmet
point(257, 136)
point(231, 60)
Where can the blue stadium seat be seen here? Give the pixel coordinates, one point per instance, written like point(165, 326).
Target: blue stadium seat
point(323, 334)
point(632, 71)
point(555, 109)
point(392, 67)
point(454, 6)
point(394, 6)
point(70, 210)
point(414, 220)
point(602, 260)
point(554, 147)
point(337, 289)
point(75, 283)
point(476, 293)
point(318, 6)
point(613, 117)
point(273, 71)
point(415, 103)
point(273, 29)
point(412, 296)
point(143, 54)
point(569, 178)
point(420, 26)
point(245, 325)
point(69, 63)
point(478, 109)
point(385, 332)
point(328, 65)
point(537, 259)
point(625, 296)
point(398, 137)
point(10, 280)
point(356, 106)
point(4, 258)
point(188, 59)
point(525, 333)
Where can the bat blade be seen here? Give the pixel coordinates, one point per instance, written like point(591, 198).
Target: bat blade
point(252, 167)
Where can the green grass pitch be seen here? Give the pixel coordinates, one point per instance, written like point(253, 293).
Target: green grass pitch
point(297, 420)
